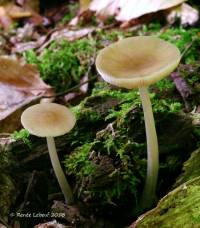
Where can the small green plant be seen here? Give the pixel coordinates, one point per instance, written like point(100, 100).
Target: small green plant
point(64, 63)
point(23, 135)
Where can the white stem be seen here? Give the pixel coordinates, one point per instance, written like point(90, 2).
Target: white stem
point(66, 190)
point(148, 195)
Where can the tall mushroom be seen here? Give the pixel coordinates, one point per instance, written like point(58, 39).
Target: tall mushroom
point(50, 120)
point(138, 62)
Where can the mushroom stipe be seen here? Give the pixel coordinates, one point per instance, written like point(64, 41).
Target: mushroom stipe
point(138, 62)
point(50, 120)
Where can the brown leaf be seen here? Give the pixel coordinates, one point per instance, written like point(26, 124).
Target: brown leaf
point(10, 12)
point(187, 15)
point(2, 226)
point(126, 10)
point(67, 34)
point(84, 5)
point(52, 224)
point(24, 46)
point(84, 84)
point(19, 85)
point(16, 12)
point(23, 77)
point(5, 20)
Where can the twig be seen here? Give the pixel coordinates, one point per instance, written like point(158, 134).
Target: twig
point(29, 188)
point(187, 48)
point(4, 223)
point(71, 89)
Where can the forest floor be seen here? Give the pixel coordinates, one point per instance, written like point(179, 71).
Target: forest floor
point(104, 156)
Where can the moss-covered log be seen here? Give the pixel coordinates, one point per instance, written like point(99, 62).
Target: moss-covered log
point(179, 208)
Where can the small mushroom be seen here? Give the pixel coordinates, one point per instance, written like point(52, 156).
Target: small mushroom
point(138, 62)
point(50, 120)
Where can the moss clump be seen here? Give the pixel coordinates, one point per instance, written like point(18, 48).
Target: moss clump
point(179, 208)
point(191, 168)
point(23, 135)
point(108, 159)
point(64, 63)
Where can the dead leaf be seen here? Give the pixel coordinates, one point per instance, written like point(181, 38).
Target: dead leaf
point(32, 5)
point(10, 12)
point(84, 5)
point(187, 15)
point(84, 84)
point(70, 96)
point(5, 20)
point(16, 12)
point(19, 85)
point(67, 34)
point(23, 77)
point(71, 35)
point(52, 224)
point(183, 88)
point(24, 46)
point(24, 34)
point(126, 10)
point(2, 226)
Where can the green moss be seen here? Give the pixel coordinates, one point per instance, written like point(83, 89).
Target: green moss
point(64, 63)
point(179, 36)
point(23, 135)
point(110, 127)
point(180, 208)
point(182, 38)
point(191, 168)
point(79, 161)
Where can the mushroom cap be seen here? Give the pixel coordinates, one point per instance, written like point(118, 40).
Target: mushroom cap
point(48, 120)
point(137, 61)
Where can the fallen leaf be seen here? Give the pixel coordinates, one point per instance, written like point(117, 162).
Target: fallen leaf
point(67, 34)
point(32, 5)
point(23, 77)
point(84, 5)
point(24, 46)
point(20, 84)
point(5, 20)
point(2, 226)
point(183, 88)
point(10, 12)
point(126, 10)
point(23, 33)
point(84, 84)
point(16, 12)
point(187, 15)
point(53, 224)
point(70, 96)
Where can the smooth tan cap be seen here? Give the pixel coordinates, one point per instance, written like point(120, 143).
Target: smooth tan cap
point(137, 61)
point(48, 119)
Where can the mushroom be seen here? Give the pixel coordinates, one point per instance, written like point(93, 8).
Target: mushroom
point(138, 62)
point(50, 120)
